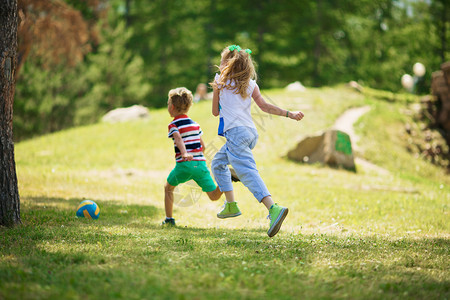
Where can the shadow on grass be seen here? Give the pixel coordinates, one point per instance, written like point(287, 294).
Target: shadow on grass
point(53, 211)
point(56, 255)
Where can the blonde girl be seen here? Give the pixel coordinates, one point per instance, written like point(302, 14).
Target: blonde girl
point(234, 89)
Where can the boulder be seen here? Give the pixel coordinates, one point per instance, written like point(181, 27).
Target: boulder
point(135, 112)
point(332, 147)
point(354, 85)
point(296, 86)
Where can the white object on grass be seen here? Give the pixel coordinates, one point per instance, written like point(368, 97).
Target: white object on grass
point(419, 69)
point(407, 81)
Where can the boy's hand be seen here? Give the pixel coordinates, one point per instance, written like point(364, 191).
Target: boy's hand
point(296, 115)
point(187, 157)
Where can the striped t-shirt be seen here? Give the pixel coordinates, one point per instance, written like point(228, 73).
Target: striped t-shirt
point(190, 133)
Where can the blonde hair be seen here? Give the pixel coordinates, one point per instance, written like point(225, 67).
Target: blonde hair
point(181, 98)
point(236, 70)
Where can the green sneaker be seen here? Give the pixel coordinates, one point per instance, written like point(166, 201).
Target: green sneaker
point(230, 209)
point(276, 215)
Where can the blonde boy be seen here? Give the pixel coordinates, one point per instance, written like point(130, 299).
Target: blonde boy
point(189, 147)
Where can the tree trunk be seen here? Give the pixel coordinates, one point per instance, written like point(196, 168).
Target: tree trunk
point(9, 193)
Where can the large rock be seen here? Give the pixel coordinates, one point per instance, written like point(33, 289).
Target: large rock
point(125, 114)
point(333, 148)
point(296, 86)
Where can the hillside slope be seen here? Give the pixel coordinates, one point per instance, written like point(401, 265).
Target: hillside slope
point(129, 163)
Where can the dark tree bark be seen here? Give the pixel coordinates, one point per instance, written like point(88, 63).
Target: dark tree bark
point(9, 193)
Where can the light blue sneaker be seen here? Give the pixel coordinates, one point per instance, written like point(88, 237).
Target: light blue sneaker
point(277, 214)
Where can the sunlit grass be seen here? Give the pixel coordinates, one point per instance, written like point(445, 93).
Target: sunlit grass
point(348, 235)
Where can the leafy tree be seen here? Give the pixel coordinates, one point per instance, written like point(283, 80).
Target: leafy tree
point(52, 31)
point(62, 96)
point(53, 39)
point(440, 14)
point(86, 57)
point(46, 98)
point(113, 77)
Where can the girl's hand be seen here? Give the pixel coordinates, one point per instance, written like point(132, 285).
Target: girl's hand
point(296, 115)
point(187, 157)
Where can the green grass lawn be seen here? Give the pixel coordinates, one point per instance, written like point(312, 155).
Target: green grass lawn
point(348, 235)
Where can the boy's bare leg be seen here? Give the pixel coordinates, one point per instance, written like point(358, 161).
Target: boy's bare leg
point(168, 199)
point(268, 202)
point(215, 195)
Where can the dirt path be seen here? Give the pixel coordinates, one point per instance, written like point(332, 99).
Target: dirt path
point(345, 123)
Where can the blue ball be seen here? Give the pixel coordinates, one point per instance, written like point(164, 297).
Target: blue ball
point(88, 209)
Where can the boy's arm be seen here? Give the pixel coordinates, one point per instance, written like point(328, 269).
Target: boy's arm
point(272, 109)
point(215, 102)
point(180, 144)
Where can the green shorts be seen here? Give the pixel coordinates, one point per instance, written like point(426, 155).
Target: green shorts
point(195, 170)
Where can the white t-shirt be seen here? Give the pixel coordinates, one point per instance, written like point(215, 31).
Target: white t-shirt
point(234, 110)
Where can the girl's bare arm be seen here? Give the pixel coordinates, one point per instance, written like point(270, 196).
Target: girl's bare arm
point(215, 102)
point(273, 109)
